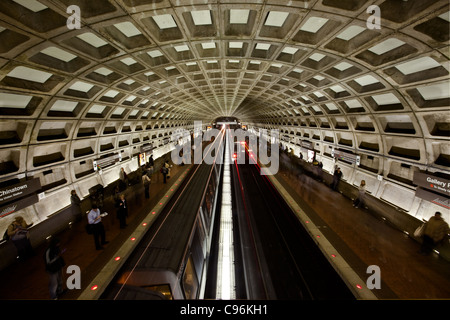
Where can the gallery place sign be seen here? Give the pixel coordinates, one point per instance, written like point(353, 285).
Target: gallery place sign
point(440, 187)
point(434, 183)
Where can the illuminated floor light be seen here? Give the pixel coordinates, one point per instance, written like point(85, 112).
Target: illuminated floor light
point(132, 239)
point(145, 223)
point(359, 286)
point(117, 258)
point(94, 287)
point(225, 288)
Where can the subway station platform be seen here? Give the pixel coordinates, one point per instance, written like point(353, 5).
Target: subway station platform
point(359, 237)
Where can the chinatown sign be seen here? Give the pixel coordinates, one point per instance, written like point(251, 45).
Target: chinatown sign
point(19, 190)
point(16, 197)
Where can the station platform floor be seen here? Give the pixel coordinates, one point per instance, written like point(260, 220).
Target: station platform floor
point(359, 237)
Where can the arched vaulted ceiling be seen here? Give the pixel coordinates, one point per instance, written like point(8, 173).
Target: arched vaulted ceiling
point(309, 67)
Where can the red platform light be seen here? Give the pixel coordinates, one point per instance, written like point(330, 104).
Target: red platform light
point(94, 287)
point(132, 239)
point(144, 224)
point(359, 286)
point(117, 258)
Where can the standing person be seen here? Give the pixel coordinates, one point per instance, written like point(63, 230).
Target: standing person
point(122, 211)
point(151, 162)
point(98, 230)
point(146, 181)
point(76, 204)
point(123, 179)
point(320, 166)
point(168, 166)
point(435, 231)
point(164, 171)
point(336, 178)
point(54, 264)
point(18, 233)
point(361, 195)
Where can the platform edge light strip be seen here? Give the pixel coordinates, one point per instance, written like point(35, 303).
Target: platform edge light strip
point(96, 287)
point(350, 277)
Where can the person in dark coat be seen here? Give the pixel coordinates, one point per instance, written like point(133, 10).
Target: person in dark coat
point(122, 211)
point(76, 204)
point(54, 264)
point(336, 178)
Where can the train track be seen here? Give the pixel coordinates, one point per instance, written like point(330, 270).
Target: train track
point(283, 260)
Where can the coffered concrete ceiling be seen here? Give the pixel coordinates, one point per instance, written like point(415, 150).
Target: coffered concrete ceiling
point(312, 68)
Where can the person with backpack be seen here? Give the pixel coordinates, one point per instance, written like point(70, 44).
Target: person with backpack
point(54, 264)
point(18, 233)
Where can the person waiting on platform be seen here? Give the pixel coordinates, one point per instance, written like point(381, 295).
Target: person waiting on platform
point(435, 231)
point(54, 264)
point(360, 202)
point(122, 211)
point(18, 233)
point(98, 230)
point(123, 183)
point(146, 181)
point(168, 166)
point(336, 178)
point(76, 204)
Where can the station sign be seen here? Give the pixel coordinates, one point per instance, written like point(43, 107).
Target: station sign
point(432, 182)
point(19, 190)
point(306, 144)
point(346, 156)
point(147, 148)
point(16, 197)
point(107, 161)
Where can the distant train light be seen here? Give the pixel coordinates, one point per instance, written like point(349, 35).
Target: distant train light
point(234, 155)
